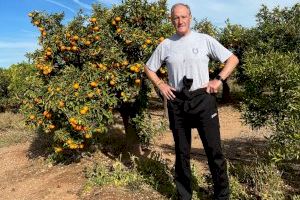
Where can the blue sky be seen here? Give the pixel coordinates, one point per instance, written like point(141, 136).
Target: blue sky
point(18, 36)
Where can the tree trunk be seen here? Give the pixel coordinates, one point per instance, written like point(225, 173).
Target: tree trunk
point(133, 144)
point(226, 93)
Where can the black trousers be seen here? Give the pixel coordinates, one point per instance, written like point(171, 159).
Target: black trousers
point(197, 109)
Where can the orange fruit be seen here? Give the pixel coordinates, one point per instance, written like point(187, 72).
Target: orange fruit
point(161, 39)
point(32, 117)
point(114, 22)
point(75, 37)
point(62, 48)
point(58, 149)
point(36, 22)
point(61, 104)
point(76, 86)
point(117, 19)
point(87, 135)
point(87, 42)
point(148, 41)
point(51, 126)
point(137, 81)
point(44, 33)
point(97, 37)
point(132, 68)
point(74, 48)
point(85, 108)
point(83, 112)
point(93, 84)
point(112, 82)
point(119, 30)
point(90, 95)
point(41, 29)
point(96, 28)
point(93, 19)
point(48, 53)
point(30, 14)
point(125, 63)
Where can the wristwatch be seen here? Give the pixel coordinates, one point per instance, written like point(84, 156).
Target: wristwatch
point(218, 77)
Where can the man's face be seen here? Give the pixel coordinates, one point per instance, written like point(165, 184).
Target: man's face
point(181, 20)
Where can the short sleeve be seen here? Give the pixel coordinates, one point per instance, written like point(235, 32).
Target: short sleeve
point(157, 58)
point(216, 50)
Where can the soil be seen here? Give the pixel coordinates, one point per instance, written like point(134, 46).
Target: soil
point(31, 177)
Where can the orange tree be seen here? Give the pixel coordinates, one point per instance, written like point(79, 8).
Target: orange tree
point(272, 79)
point(90, 68)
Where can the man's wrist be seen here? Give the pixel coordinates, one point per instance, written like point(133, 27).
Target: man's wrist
point(218, 77)
point(158, 83)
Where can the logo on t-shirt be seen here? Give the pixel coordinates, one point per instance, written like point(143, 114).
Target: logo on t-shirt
point(195, 50)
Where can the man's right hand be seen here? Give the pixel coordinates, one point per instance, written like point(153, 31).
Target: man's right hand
point(166, 91)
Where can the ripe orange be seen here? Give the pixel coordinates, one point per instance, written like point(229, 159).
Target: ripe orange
point(30, 14)
point(36, 23)
point(87, 42)
point(44, 33)
point(97, 37)
point(96, 28)
point(48, 53)
point(93, 84)
point(74, 48)
point(58, 149)
point(128, 42)
point(125, 63)
point(76, 86)
point(90, 95)
point(61, 104)
point(117, 19)
point(114, 22)
point(132, 68)
point(51, 126)
point(32, 117)
point(83, 112)
point(148, 41)
point(161, 39)
point(137, 81)
point(75, 37)
point(41, 29)
point(112, 82)
point(93, 19)
point(119, 30)
point(62, 48)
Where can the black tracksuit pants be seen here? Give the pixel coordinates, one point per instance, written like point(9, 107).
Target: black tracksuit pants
point(197, 109)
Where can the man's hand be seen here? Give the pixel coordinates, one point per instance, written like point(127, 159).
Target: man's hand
point(213, 86)
point(166, 91)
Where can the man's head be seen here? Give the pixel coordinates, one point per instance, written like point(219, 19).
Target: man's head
point(181, 18)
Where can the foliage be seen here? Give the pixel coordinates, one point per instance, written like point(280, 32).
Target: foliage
point(272, 71)
point(19, 83)
point(116, 174)
point(260, 180)
point(90, 68)
point(4, 95)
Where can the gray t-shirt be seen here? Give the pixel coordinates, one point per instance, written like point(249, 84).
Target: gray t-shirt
point(188, 56)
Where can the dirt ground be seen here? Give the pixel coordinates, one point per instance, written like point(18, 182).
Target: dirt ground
point(32, 178)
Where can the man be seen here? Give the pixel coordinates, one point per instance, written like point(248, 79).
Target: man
point(191, 97)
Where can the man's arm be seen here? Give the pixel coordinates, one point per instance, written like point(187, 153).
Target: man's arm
point(230, 65)
point(164, 88)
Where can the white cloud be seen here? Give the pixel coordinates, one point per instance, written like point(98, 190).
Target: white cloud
point(84, 5)
point(18, 45)
point(61, 5)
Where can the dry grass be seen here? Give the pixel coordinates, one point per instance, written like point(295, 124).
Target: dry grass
point(13, 129)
